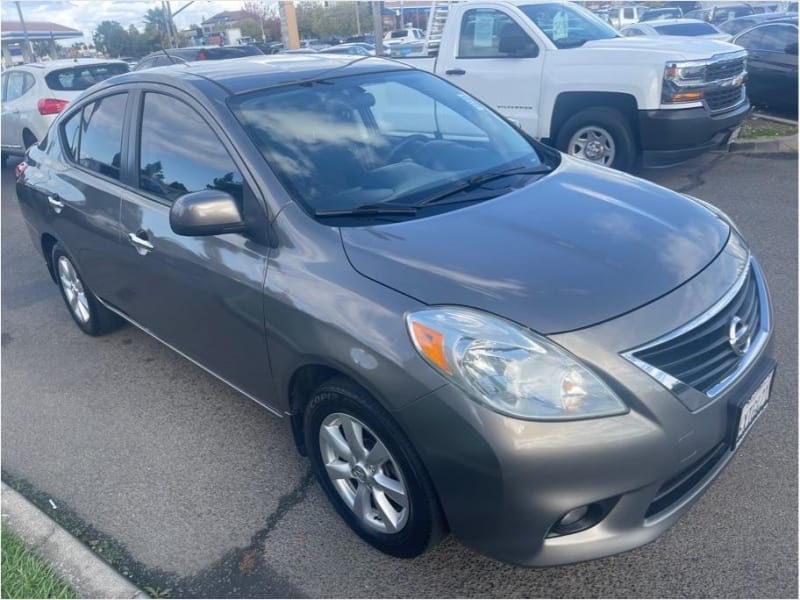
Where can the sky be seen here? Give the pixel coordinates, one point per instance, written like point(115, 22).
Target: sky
point(85, 15)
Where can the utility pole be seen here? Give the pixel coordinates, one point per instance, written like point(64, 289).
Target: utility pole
point(28, 47)
point(377, 24)
point(167, 21)
point(358, 17)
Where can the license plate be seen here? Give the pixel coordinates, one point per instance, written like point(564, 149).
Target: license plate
point(752, 408)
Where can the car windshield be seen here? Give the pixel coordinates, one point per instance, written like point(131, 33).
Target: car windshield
point(392, 139)
point(685, 28)
point(82, 77)
point(568, 25)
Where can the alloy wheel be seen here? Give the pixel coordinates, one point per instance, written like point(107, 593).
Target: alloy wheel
point(73, 290)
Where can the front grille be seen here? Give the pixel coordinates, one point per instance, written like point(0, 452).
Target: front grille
point(704, 356)
point(680, 485)
point(725, 69)
point(725, 98)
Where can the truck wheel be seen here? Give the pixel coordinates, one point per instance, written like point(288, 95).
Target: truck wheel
point(599, 135)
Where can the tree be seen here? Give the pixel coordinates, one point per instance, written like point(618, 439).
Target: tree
point(110, 38)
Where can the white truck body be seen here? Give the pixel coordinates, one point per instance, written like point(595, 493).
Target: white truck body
point(623, 74)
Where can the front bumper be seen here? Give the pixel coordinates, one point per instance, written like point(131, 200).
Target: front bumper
point(504, 483)
point(671, 136)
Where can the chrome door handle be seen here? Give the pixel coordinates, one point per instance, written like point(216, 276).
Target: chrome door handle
point(141, 244)
point(55, 203)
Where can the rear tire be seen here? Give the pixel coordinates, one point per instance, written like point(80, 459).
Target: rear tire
point(92, 317)
point(602, 136)
point(370, 472)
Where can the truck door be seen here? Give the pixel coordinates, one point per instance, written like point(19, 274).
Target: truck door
point(496, 59)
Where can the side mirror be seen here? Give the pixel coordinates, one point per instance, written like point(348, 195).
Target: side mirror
point(209, 212)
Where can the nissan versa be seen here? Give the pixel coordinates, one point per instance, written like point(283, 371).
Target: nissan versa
point(468, 331)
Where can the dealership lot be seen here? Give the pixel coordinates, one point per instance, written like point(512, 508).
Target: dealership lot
point(190, 487)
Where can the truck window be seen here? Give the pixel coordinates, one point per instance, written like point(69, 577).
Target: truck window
point(482, 30)
point(568, 25)
point(627, 13)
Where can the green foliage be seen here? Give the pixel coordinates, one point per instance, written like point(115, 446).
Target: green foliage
point(24, 573)
point(251, 28)
point(314, 20)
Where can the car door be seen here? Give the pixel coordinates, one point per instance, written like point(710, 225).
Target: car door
point(772, 72)
point(81, 192)
point(482, 65)
point(17, 98)
point(203, 296)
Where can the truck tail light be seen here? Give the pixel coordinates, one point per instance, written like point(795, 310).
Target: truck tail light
point(51, 106)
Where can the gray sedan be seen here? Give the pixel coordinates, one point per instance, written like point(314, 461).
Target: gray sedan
point(466, 331)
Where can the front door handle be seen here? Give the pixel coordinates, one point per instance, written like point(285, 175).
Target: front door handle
point(57, 205)
point(455, 72)
point(139, 241)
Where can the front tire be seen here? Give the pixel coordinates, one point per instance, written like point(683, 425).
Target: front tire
point(370, 472)
point(602, 136)
point(92, 317)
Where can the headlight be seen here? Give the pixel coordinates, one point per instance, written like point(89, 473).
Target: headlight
point(694, 71)
point(508, 368)
point(678, 76)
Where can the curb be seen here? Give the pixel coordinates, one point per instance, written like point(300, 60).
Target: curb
point(768, 117)
point(786, 143)
point(88, 574)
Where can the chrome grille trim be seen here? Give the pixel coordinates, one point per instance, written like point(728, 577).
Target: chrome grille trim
point(757, 345)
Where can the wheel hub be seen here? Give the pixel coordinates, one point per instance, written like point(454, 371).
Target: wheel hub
point(594, 150)
point(360, 474)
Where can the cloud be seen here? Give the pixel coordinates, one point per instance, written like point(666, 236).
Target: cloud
point(86, 15)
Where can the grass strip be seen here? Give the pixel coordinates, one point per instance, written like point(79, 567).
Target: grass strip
point(25, 575)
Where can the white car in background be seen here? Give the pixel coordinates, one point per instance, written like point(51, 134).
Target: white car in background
point(33, 94)
point(681, 27)
point(401, 36)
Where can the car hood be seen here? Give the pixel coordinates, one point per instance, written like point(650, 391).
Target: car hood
point(575, 248)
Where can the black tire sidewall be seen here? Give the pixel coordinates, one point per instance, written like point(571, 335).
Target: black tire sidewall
point(422, 527)
point(612, 121)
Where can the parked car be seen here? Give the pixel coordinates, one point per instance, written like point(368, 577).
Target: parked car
point(33, 94)
point(299, 51)
point(625, 15)
point(721, 13)
point(356, 49)
point(131, 61)
point(615, 101)
point(401, 36)
point(681, 27)
point(772, 63)
point(736, 26)
point(195, 53)
point(466, 330)
point(270, 48)
point(659, 14)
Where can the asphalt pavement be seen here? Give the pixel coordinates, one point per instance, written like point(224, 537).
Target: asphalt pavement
point(190, 489)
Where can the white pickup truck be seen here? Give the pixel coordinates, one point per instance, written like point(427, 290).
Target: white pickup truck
point(569, 79)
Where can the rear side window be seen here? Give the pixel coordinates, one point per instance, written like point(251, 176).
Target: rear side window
point(16, 85)
point(180, 153)
point(93, 136)
point(82, 77)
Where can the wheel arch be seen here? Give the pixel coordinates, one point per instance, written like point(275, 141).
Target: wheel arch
point(570, 103)
point(47, 243)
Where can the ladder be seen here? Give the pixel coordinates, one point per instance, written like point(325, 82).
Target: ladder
point(436, 20)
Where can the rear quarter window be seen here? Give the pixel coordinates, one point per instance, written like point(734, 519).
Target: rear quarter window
point(82, 77)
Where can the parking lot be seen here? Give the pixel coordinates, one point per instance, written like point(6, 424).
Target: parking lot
point(192, 490)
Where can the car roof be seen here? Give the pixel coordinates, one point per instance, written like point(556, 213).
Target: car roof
point(64, 63)
point(241, 75)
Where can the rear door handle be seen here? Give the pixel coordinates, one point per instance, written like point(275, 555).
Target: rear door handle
point(139, 241)
point(57, 205)
point(455, 72)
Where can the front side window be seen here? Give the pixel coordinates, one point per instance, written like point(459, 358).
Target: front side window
point(776, 38)
point(568, 25)
point(93, 135)
point(389, 137)
point(486, 32)
point(180, 153)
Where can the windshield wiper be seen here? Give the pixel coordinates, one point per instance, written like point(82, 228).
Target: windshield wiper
point(482, 178)
point(367, 210)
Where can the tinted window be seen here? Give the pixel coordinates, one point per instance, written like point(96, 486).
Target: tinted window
point(229, 52)
point(633, 31)
point(18, 84)
point(93, 136)
point(482, 30)
point(627, 13)
point(71, 129)
point(685, 29)
point(775, 38)
point(83, 77)
point(180, 153)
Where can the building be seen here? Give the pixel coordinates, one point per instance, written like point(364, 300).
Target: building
point(12, 38)
point(224, 20)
